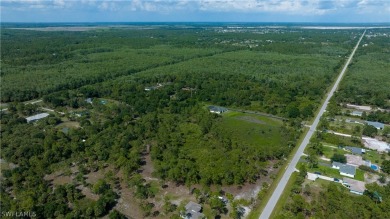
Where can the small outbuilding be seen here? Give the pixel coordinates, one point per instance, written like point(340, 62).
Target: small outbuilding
point(217, 109)
point(37, 117)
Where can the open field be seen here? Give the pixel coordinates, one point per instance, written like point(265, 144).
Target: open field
point(256, 131)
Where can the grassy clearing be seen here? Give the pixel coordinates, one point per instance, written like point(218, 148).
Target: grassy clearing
point(340, 140)
point(69, 124)
point(329, 152)
point(375, 157)
point(346, 128)
point(252, 129)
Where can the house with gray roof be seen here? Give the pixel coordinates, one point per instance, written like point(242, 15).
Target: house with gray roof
point(345, 169)
point(354, 186)
point(377, 125)
point(37, 117)
point(355, 150)
point(336, 165)
point(348, 170)
point(193, 211)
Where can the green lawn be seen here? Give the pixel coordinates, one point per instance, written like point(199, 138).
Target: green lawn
point(329, 151)
point(375, 157)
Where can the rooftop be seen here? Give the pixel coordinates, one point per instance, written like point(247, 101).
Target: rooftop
point(217, 109)
point(377, 125)
point(355, 150)
point(348, 169)
point(354, 185)
point(193, 210)
point(37, 117)
point(357, 113)
point(337, 164)
point(192, 206)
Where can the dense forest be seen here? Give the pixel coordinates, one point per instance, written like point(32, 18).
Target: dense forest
point(187, 69)
point(60, 60)
point(368, 78)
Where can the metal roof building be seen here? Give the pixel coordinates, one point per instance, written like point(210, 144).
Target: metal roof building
point(37, 117)
point(217, 109)
point(377, 125)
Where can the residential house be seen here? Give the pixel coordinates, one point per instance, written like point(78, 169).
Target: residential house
point(193, 211)
point(348, 170)
point(355, 150)
point(217, 109)
point(345, 169)
point(355, 186)
point(37, 117)
point(377, 125)
point(337, 165)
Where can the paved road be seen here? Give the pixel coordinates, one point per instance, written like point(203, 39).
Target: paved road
point(290, 169)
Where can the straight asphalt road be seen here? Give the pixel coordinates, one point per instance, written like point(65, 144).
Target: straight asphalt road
point(291, 167)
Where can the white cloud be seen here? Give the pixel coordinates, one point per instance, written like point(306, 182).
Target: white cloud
point(295, 7)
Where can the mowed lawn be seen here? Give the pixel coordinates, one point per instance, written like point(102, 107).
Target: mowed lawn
point(252, 130)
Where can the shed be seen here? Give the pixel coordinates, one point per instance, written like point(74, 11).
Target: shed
point(37, 117)
point(217, 109)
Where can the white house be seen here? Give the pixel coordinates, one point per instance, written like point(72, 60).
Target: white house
point(345, 169)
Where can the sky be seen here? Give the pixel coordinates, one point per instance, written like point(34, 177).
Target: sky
point(317, 11)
